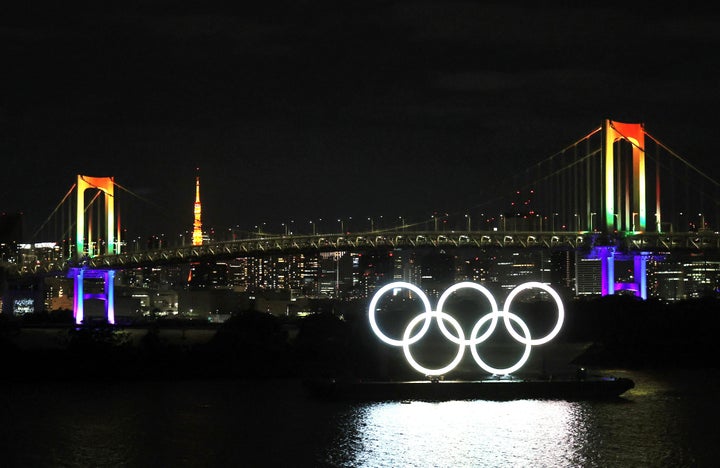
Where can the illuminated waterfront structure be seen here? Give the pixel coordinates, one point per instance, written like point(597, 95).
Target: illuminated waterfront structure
point(438, 313)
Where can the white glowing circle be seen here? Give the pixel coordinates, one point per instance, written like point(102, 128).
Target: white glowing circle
point(523, 359)
point(459, 339)
point(373, 306)
point(440, 316)
point(486, 293)
point(558, 324)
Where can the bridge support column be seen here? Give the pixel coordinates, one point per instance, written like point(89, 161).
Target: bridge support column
point(639, 284)
point(80, 296)
point(607, 269)
point(78, 276)
point(607, 272)
point(110, 296)
point(640, 274)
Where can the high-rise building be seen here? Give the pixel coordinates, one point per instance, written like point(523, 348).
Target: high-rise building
point(587, 276)
point(562, 268)
point(243, 273)
point(329, 278)
point(208, 275)
point(375, 269)
point(437, 272)
point(310, 275)
point(701, 277)
point(665, 279)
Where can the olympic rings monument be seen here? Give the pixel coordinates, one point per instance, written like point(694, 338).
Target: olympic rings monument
point(458, 337)
point(500, 386)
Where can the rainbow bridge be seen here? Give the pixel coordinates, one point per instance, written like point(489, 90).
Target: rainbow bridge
point(615, 194)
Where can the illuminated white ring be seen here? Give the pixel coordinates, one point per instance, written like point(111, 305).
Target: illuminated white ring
point(440, 316)
point(486, 293)
point(527, 341)
point(473, 340)
point(506, 313)
point(373, 306)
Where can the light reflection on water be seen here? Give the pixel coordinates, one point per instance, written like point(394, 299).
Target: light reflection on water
point(669, 419)
point(463, 433)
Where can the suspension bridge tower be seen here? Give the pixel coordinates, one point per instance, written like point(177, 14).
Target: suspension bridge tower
point(625, 205)
point(625, 202)
point(85, 248)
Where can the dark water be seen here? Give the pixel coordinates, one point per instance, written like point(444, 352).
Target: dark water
point(669, 419)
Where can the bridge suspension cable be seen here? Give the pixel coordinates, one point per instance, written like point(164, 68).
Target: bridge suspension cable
point(148, 201)
point(502, 185)
point(57, 207)
point(683, 160)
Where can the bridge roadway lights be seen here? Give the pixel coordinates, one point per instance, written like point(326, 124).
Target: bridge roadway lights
point(79, 275)
point(606, 254)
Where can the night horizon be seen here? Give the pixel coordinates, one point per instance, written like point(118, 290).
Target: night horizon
point(366, 110)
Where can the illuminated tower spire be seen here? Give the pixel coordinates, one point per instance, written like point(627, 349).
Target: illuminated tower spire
point(197, 223)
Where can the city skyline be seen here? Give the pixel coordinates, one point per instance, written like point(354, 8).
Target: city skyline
point(283, 283)
point(301, 112)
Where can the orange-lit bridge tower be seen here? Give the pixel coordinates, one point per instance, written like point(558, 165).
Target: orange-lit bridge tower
point(85, 248)
point(624, 204)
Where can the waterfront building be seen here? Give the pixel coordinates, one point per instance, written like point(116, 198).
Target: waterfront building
point(701, 277)
point(666, 279)
point(375, 269)
point(310, 275)
point(588, 276)
point(562, 269)
point(509, 268)
point(473, 269)
point(437, 272)
point(43, 254)
point(208, 275)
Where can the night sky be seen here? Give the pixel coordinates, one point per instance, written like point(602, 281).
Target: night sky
point(305, 110)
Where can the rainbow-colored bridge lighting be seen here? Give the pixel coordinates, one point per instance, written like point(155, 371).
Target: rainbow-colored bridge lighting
point(459, 336)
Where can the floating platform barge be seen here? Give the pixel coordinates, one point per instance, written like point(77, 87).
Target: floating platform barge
point(493, 389)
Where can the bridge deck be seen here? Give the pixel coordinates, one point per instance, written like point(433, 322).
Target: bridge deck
point(278, 244)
